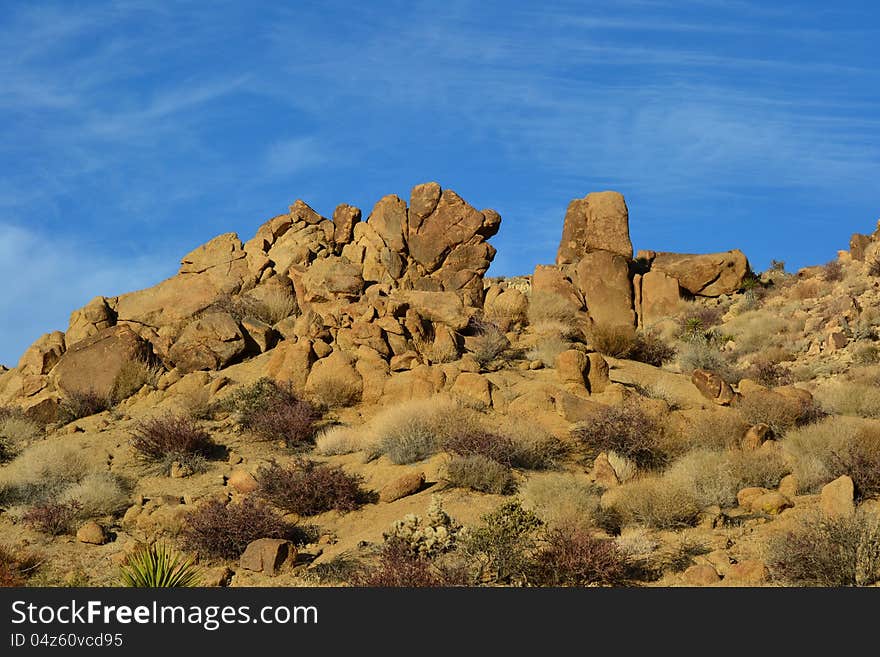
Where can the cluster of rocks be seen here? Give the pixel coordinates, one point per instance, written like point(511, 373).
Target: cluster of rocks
point(359, 301)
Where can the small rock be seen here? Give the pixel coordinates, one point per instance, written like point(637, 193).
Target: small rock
point(242, 481)
point(771, 503)
point(267, 555)
point(746, 495)
point(234, 458)
point(321, 349)
point(603, 473)
point(215, 577)
point(572, 367)
point(836, 499)
point(700, 575)
point(91, 533)
point(180, 470)
point(755, 436)
point(403, 486)
point(835, 340)
point(536, 365)
point(789, 486)
point(747, 572)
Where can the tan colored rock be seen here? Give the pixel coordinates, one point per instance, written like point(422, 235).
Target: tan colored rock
point(660, 297)
point(42, 355)
point(713, 387)
point(291, 363)
point(597, 222)
point(572, 366)
point(835, 340)
point(92, 533)
point(746, 573)
point(510, 305)
point(88, 320)
point(220, 252)
point(772, 503)
point(92, 365)
point(597, 377)
point(788, 486)
point(259, 336)
point(328, 279)
point(423, 201)
point(242, 481)
point(549, 279)
point(208, 343)
point(404, 361)
point(403, 486)
point(439, 307)
point(837, 497)
point(473, 388)
point(745, 496)
point(603, 278)
point(748, 387)
point(575, 409)
point(708, 275)
point(215, 577)
point(267, 555)
point(389, 220)
point(344, 219)
point(700, 575)
point(755, 436)
point(446, 347)
point(603, 473)
point(335, 379)
point(858, 243)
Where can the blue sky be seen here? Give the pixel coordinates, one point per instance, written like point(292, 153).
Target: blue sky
point(135, 130)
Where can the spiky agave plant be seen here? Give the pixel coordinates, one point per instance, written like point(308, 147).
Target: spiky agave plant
point(158, 566)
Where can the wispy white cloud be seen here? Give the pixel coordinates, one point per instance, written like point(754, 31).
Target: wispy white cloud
point(290, 156)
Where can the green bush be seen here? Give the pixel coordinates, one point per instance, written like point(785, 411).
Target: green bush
point(271, 411)
point(158, 566)
point(480, 474)
point(503, 544)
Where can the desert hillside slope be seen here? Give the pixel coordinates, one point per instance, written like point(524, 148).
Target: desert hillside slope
point(352, 401)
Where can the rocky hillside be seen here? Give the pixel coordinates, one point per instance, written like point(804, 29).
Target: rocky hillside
point(352, 401)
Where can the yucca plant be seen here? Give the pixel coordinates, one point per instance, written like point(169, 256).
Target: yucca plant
point(158, 566)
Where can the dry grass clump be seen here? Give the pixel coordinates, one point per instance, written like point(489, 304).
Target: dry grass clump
point(16, 430)
point(223, 531)
point(334, 392)
point(132, 376)
point(273, 305)
point(309, 488)
point(806, 289)
point(489, 343)
point(829, 552)
point(706, 355)
point(509, 445)
point(572, 556)
point(98, 494)
point(758, 330)
point(340, 439)
point(399, 567)
point(562, 499)
point(626, 429)
point(77, 405)
point(551, 307)
point(650, 501)
point(53, 518)
point(42, 471)
point(836, 446)
point(713, 429)
point(626, 342)
point(480, 474)
point(780, 413)
point(715, 477)
point(415, 430)
point(17, 566)
point(849, 398)
point(271, 411)
point(547, 348)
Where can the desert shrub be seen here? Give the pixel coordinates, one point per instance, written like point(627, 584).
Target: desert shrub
point(77, 405)
point(866, 354)
point(489, 342)
point(223, 531)
point(340, 439)
point(562, 499)
point(832, 271)
point(309, 488)
point(769, 374)
point(624, 467)
point(53, 518)
point(780, 413)
point(273, 305)
point(480, 474)
point(97, 494)
point(271, 411)
point(652, 502)
point(758, 330)
point(830, 552)
point(626, 429)
point(824, 451)
point(334, 392)
point(158, 566)
point(415, 430)
point(573, 557)
point(16, 430)
point(547, 348)
point(874, 267)
point(612, 340)
point(42, 471)
point(848, 398)
point(171, 438)
point(341, 569)
point(132, 376)
point(16, 566)
point(551, 307)
point(398, 567)
point(697, 320)
point(502, 545)
point(715, 477)
point(650, 348)
point(428, 536)
point(714, 429)
point(705, 355)
point(534, 452)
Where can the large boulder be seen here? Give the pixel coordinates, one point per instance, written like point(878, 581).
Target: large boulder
point(93, 365)
point(328, 279)
point(708, 275)
point(344, 219)
point(603, 277)
point(208, 343)
point(440, 307)
point(42, 355)
point(597, 222)
point(88, 320)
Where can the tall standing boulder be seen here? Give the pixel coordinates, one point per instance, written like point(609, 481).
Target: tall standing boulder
point(660, 297)
point(597, 222)
point(603, 277)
